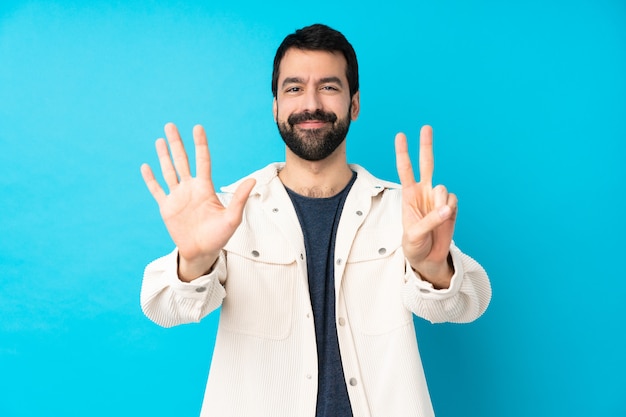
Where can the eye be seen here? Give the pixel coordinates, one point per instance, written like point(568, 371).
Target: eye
point(293, 89)
point(329, 88)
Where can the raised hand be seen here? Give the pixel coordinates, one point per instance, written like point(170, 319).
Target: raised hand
point(195, 218)
point(428, 214)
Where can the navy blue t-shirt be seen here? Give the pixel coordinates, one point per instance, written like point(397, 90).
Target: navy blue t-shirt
point(319, 218)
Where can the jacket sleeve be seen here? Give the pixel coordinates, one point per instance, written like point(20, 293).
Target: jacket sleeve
point(168, 301)
point(464, 301)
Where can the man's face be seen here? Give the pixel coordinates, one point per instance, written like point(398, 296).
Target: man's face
point(313, 108)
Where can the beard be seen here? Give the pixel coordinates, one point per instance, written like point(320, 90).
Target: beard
point(314, 144)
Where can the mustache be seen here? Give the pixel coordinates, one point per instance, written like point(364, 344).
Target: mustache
point(318, 115)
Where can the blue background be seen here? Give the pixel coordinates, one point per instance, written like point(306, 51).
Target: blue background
point(528, 103)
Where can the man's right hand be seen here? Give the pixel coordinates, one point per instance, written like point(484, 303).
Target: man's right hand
point(197, 221)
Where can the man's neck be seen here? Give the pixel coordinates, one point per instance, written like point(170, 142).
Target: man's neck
point(317, 179)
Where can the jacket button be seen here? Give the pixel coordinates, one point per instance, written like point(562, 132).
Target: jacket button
point(382, 251)
point(339, 261)
point(255, 253)
point(342, 321)
point(201, 289)
point(359, 213)
point(353, 382)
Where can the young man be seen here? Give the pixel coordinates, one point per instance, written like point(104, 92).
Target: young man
point(316, 264)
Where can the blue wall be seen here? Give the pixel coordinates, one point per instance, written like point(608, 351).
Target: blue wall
point(528, 103)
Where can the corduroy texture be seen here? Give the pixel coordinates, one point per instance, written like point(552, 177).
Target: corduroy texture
point(265, 359)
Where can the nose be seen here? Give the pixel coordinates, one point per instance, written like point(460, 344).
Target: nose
point(312, 100)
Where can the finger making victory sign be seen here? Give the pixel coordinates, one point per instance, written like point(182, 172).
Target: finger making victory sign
point(428, 214)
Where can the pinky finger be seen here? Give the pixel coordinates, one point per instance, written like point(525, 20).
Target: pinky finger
point(153, 185)
point(453, 203)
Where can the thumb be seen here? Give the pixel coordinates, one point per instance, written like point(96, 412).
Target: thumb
point(240, 197)
point(428, 223)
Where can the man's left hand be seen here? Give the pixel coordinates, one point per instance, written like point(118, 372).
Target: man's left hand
point(428, 214)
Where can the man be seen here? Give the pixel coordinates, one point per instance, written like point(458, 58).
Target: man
point(316, 264)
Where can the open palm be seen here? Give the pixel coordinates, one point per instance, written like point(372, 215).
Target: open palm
point(197, 221)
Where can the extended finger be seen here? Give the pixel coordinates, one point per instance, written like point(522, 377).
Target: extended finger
point(153, 185)
point(167, 169)
point(427, 160)
point(403, 161)
point(179, 156)
point(203, 156)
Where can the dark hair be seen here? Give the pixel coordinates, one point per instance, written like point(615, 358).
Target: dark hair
point(319, 37)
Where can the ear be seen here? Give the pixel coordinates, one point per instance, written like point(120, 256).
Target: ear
point(275, 109)
point(356, 105)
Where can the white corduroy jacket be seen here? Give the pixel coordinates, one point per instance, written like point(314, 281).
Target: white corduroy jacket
point(265, 358)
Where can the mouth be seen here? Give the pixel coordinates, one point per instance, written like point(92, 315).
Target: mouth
point(311, 120)
point(311, 124)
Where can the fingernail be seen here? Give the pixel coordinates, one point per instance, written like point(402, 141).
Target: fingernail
point(444, 212)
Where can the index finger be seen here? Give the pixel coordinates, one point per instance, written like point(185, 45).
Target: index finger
point(403, 161)
point(427, 159)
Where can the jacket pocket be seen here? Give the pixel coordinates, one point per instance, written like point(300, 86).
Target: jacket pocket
point(259, 287)
point(373, 281)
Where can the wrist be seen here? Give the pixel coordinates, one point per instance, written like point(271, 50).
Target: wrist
point(190, 269)
point(439, 274)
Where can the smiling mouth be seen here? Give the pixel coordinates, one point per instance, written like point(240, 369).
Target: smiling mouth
point(311, 120)
point(311, 124)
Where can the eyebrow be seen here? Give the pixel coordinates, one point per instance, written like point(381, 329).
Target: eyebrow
point(335, 80)
point(298, 80)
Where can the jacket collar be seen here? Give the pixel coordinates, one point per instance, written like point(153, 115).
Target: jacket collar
point(267, 175)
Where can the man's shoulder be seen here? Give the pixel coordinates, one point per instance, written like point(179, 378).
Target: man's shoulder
point(262, 176)
point(375, 183)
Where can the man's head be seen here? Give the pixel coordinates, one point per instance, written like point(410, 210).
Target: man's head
point(319, 37)
point(316, 91)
